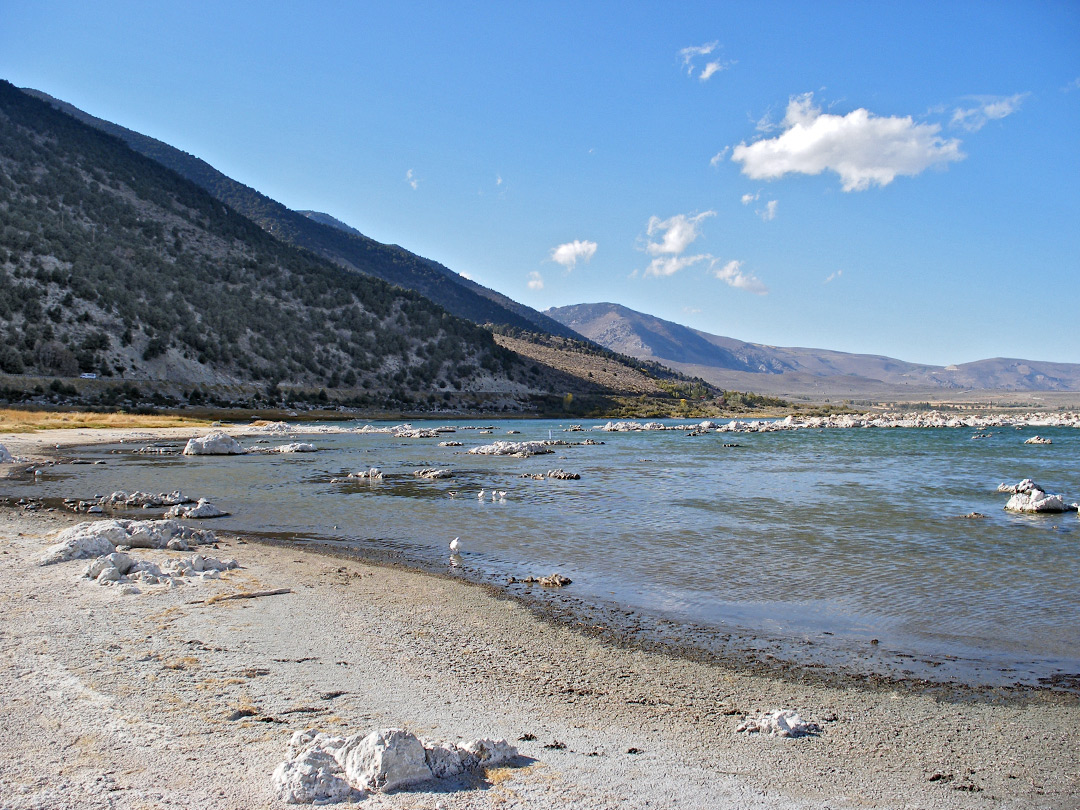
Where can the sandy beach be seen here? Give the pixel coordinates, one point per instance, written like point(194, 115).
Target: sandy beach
point(177, 697)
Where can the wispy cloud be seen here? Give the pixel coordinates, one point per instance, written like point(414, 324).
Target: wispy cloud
point(732, 274)
point(498, 179)
point(749, 198)
point(570, 253)
point(1073, 85)
point(718, 158)
point(863, 148)
point(768, 213)
point(833, 276)
point(675, 234)
point(986, 109)
point(536, 281)
point(412, 179)
point(692, 54)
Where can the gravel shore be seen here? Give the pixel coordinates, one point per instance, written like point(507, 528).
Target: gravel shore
point(177, 697)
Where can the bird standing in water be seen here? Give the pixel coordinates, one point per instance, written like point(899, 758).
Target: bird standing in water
point(455, 545)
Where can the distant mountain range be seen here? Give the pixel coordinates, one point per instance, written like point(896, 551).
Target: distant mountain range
point(731, 363)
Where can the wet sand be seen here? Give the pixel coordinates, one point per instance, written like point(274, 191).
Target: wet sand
point(124, 701)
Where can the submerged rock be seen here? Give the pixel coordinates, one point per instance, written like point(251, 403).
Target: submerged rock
point(146, 500)
point(519, 449)
point(214, 444)
point(1038, 440)
point(294, 447)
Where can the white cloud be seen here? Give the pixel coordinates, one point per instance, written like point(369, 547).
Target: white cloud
point(732, 274)
point(718, 158)
point(834, 276)
point(863, 148)
point(768, 213)
point(412, 179)
point(678, 233)
point(669, 265)
point(749, 198)
point(536, 281)
point(568, 254)
point(498, 179)
point(1073, 85)
point(987, 109)
point(691, 54)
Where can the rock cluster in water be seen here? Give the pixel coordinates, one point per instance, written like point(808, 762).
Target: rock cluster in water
point(203, 510)
point(1027, 496)
point(323, 769)
point(518, 449)
point(432, 473)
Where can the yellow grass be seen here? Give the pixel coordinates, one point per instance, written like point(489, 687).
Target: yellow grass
point(19, 421)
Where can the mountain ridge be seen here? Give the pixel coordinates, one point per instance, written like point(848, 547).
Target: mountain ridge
point(732, 363)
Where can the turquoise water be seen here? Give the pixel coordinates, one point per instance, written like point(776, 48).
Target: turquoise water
point(835, 537)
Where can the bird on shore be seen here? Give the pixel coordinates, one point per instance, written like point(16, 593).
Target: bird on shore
point(455, 545)
point(480, 497)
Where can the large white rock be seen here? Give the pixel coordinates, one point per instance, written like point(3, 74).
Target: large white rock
point(489, 753)
point(5, 456)
point(214, 444)
point(86, 540)
point(387, 759)
point(312, 776)
point(294, 447)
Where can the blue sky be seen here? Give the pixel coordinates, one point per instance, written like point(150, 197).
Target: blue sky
point(898, 179)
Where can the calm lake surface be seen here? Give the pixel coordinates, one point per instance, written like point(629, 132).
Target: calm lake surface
point(825, 539)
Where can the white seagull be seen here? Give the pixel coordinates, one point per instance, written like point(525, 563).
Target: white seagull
point(480, 497)
point(455, 545)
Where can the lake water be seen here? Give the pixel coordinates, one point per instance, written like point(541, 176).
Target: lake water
point(812, 543)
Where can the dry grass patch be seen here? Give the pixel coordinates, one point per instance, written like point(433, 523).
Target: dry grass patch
point(15, 420)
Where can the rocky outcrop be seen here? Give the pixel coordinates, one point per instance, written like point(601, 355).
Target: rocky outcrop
point(1038, 440)
point(214, 444)
point(451, 444)
point(323, 769)
point(99, 538)
point(371, 474)
point(5, 456)
point(119, 568)
point(432, 473)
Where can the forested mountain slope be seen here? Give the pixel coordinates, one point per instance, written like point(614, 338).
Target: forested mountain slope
point(114, 265)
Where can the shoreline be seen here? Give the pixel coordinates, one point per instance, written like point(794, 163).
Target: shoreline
point(142, 684)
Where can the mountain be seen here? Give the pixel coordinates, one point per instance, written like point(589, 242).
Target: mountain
point(731, 363)
point(113, 265)
point(332, 239)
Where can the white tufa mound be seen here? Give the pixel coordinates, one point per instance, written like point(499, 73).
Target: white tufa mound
point(5, 456)
point(322, 769)
point(294, 447)
point(201, 511)
point(519, 449)
point(779, 723)
point(101, 537)
point(1027, 496)
point(214, 444)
